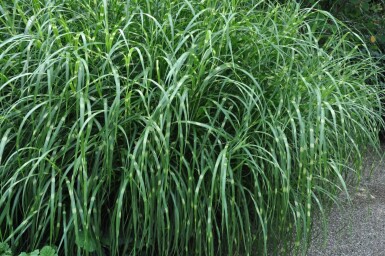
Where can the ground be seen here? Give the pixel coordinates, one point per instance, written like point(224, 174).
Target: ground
point(359, 228)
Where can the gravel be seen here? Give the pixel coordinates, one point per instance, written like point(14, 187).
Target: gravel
point(359, 228)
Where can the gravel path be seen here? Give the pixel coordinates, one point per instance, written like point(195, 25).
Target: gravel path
point(358, 229)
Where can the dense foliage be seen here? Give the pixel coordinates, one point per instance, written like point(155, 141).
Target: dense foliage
point(366, 17)
point(176, 127)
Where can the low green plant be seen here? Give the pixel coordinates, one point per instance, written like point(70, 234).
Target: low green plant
point(5, 250)
point(45, 251)
point(176, 127)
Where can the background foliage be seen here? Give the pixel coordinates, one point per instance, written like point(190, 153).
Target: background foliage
point(365, 16)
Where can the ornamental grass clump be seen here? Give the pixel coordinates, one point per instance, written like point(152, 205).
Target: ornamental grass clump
point(176, 127)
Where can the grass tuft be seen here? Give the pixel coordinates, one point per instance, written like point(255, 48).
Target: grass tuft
point(176, 127)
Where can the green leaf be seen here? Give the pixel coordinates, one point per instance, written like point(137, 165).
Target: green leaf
point(86, 242)
point(365, 7)
point(34, 253)
point(5, 250)
point(48, 251)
